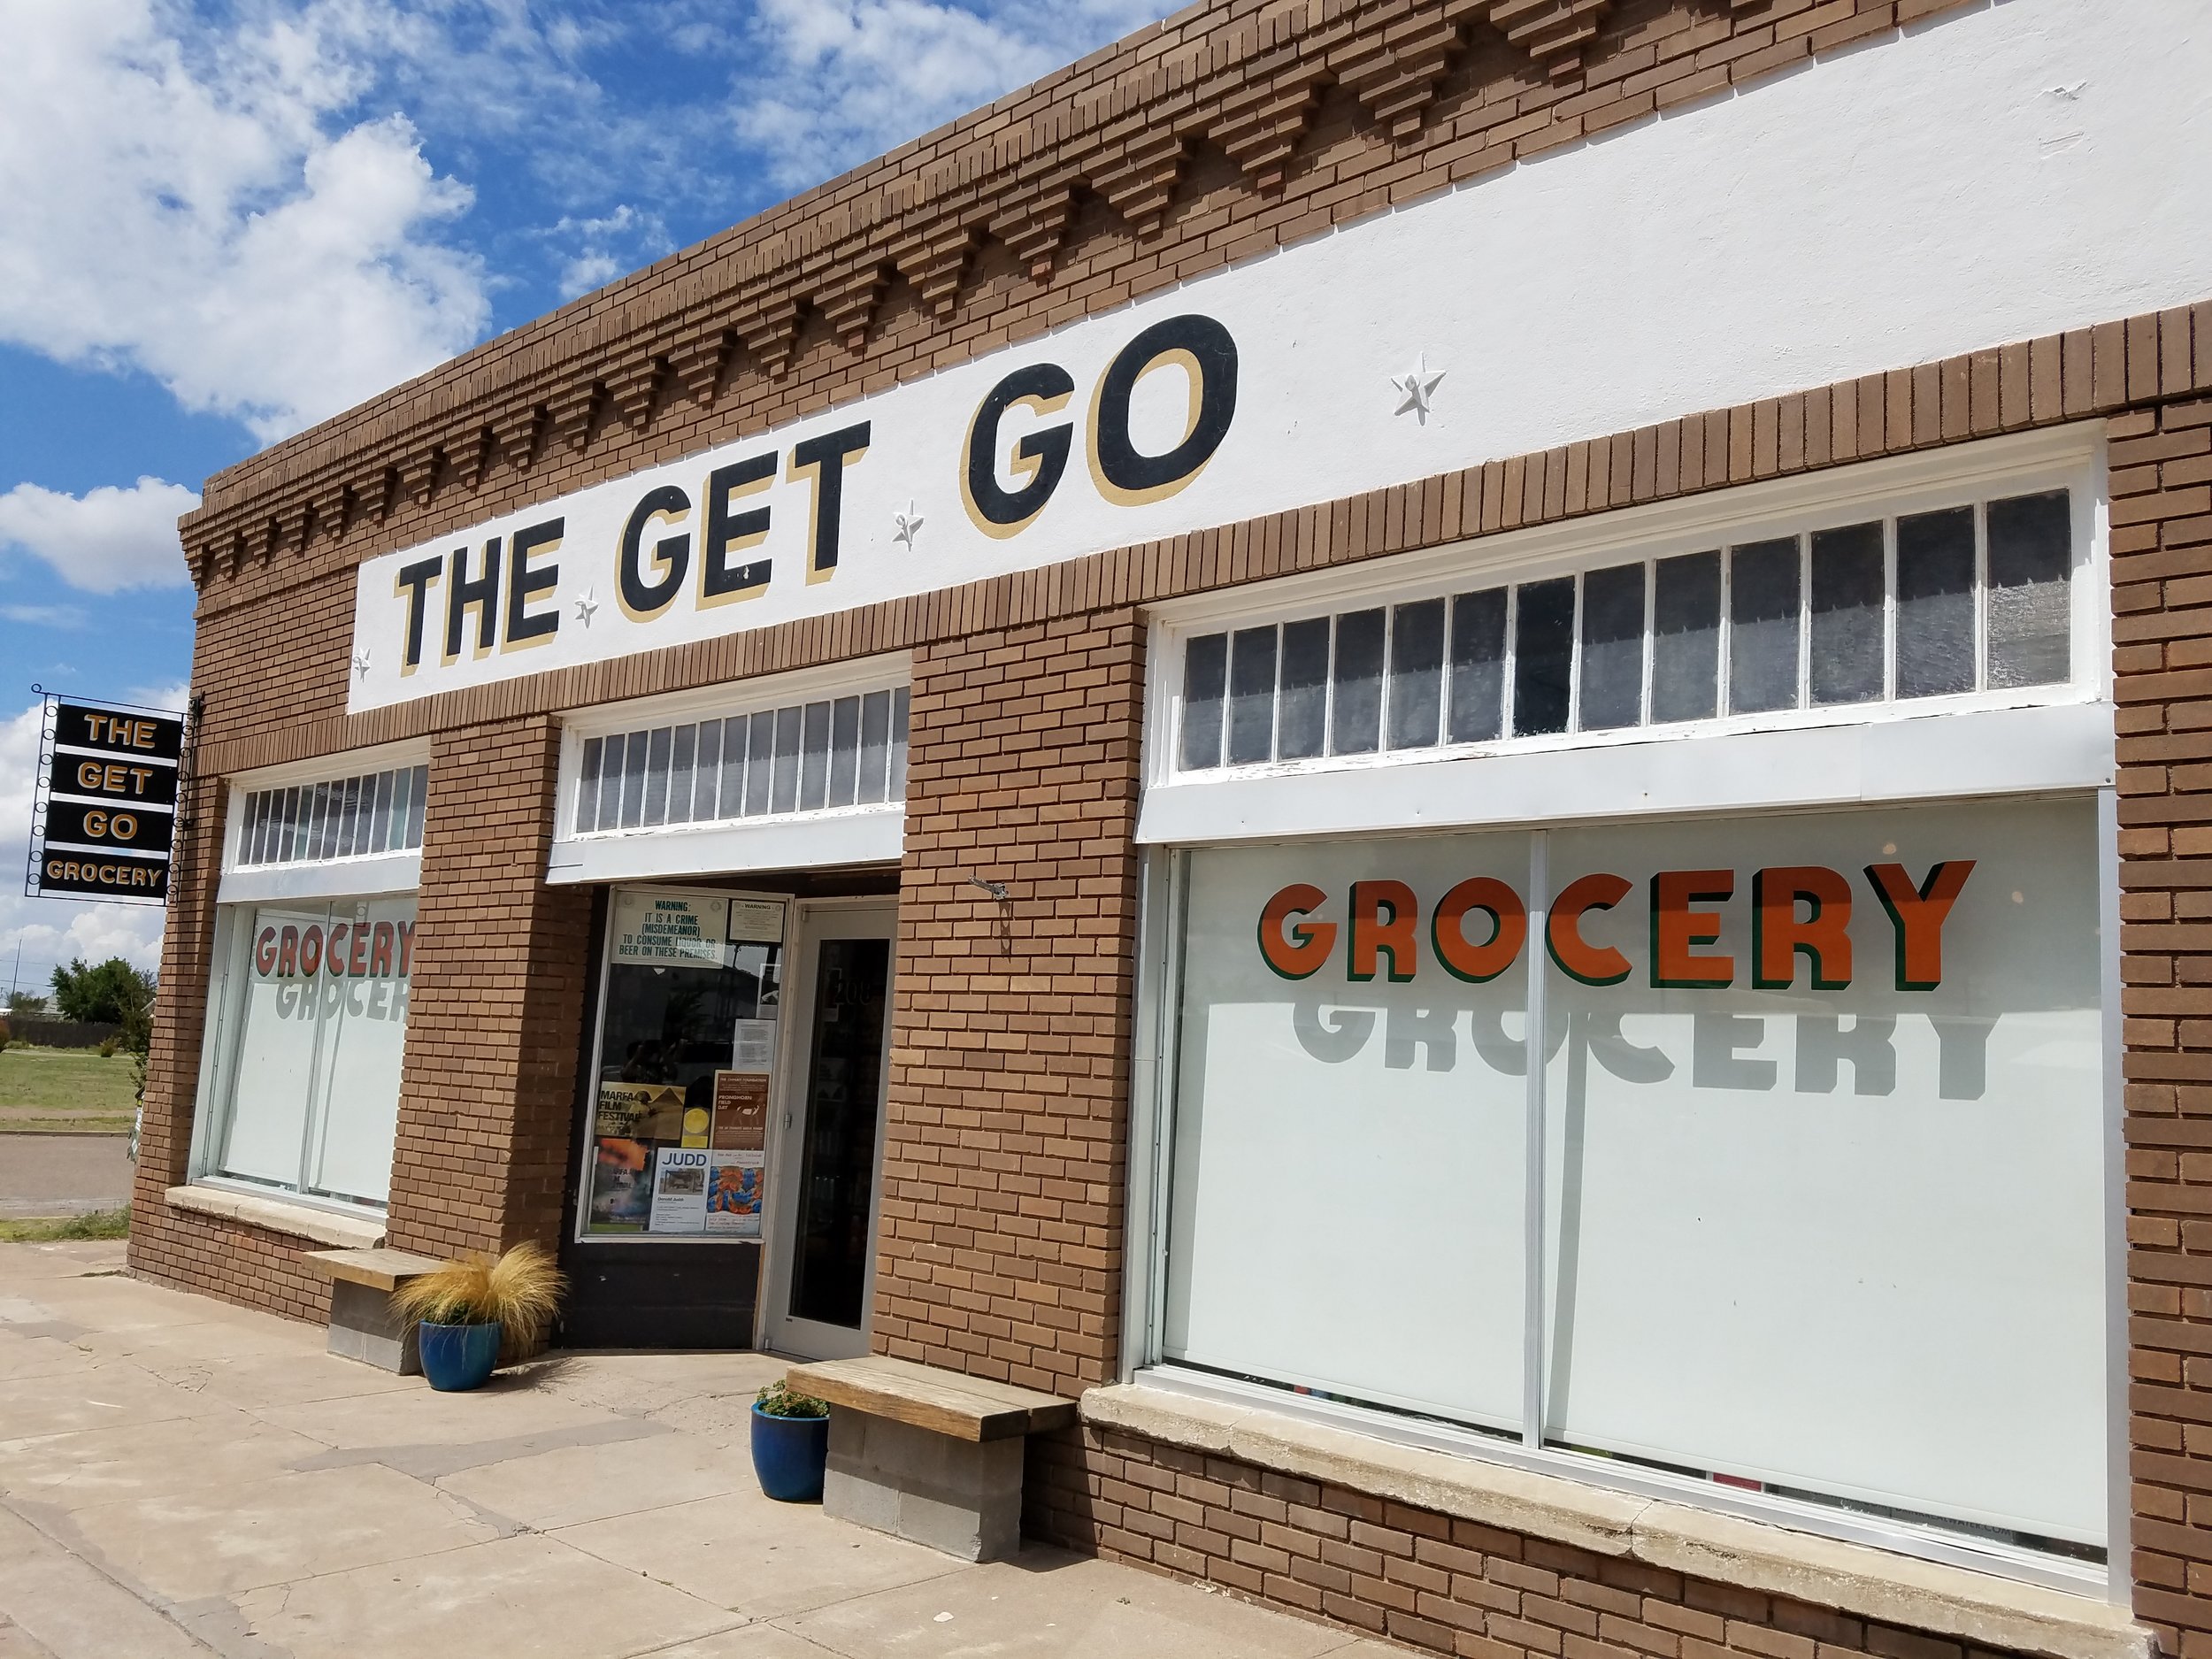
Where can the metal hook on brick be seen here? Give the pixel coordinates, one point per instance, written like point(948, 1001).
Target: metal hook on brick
point(997, 889)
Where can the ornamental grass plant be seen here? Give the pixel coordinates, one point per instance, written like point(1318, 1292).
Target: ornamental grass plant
point(520, 1291)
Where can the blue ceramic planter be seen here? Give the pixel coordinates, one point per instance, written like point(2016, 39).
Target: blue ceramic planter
point(789, 1455)
point(457, 1356)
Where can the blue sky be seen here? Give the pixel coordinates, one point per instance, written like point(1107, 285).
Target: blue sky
point(227, 221)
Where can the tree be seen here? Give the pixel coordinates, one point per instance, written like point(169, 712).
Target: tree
point(26, 1003)
point(114, 992)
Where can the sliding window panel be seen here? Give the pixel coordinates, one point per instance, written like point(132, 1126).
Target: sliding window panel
point(1543, 655)
point(1205, 689)
point(363, 1025)
point(1357, 1130)
point(1302, 706)
point(1251, 695)
point(844, 777)
point(1807, 1228)
point(1417, 673)
point(1765, 597)
point(2031, 598)
point(786, 795)
point(875, 745)
point(1935, 602)
point(760, 762)
point(682, 765)
point(1477, 712)
point(1611, 692)
point(1356, 715)
point(1848, 622)
point(815, 756)
point(1685, 638)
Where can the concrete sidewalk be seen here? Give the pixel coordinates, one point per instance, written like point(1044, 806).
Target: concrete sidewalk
point(180, 1476)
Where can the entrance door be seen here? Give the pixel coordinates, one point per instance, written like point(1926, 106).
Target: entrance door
point(822, 1196)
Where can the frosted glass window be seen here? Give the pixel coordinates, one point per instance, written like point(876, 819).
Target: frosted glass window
point(2031, 598)
point(898, 743)
point(814, 758)
point(706, 791)
point(1205, 684)
point(1762, 618)
point(344, 818)
point(1477, 698)
point(1356, 722)
point(1847, 614)
point(1685, 638)
point(682, 762)
point(760, 763)
point(1612, 689)
point(657, 749)
point(314, 1016)
point(1251, 695)
point(1302, 717)
point(1935, 602)
point(1543, 655)
point(785, 794)
point(1417, 673)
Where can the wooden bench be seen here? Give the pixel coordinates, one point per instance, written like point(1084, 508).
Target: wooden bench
point(925, 1454)
point(363, 1325)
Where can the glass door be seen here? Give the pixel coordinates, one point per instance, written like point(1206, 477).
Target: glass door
point(824, 1196)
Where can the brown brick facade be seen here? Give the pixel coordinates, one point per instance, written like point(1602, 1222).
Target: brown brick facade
point(1230, 131)
point(1001, 1232)
point(2161, 595)
point(1434, 1582)
point(497, 1004)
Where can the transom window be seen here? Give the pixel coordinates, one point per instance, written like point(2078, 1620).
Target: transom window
point(1975, 597)
point(341, 817)
point(811, 756)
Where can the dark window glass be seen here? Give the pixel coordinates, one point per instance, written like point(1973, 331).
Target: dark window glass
point(1685, 638)
point(1302, 715)
point(875, 735)
point(587, 786)
point(1543, 655)
point(1478, 666)
point(633, 781)
point(1251, 695)
point(1612, 690)
point(786, 795)
point(1205, 677)
point(1762, 606)
point(2030, 558)
point(1356, 722)
point(1935, 602)
point(1847, 614)
point(760, 763)
point(844, 750)
point(844, 1089)
point(1417, 673)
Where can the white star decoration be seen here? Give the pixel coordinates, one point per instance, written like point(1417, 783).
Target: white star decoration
point(906, 526)
point(585, 607)
point(1416, 388)
point(361, 663)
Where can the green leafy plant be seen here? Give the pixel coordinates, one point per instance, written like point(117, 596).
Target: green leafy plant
point(779, 1400)
point(520, 1291)
point(108, 1048)
point(111, 993)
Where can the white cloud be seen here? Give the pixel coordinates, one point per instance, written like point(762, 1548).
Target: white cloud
point(42, 932)
point(833, 82)
point(105, 539)
point(186, 199)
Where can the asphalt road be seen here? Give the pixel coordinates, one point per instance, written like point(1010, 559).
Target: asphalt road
point(63, 1175)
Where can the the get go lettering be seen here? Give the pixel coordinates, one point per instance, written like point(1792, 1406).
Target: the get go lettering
point(495, 596)
point(1800, 920)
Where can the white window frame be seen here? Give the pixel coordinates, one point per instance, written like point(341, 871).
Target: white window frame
point(366, 875)
point(2039, 737)
point(2054, 739)
point(871, 834)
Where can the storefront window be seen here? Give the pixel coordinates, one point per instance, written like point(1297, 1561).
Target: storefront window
point(315, 1021)
point(687, 1039)
point(340, 818)
point(1823, 1168)
point(1887, 610)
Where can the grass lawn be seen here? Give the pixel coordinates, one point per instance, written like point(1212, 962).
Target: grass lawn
point(64, 1091)
point(101, 1224)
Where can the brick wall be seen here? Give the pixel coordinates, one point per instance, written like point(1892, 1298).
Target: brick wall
point(2162, 575)
point(1434, 1582)
point(497, 1005)
point(1002, 1214)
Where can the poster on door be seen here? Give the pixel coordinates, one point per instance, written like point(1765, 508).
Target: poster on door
point(680, 1190)
point(735, 1180)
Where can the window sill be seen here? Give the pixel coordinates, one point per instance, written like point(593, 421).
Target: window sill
point(299, 1221)
point(1868, 1583)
